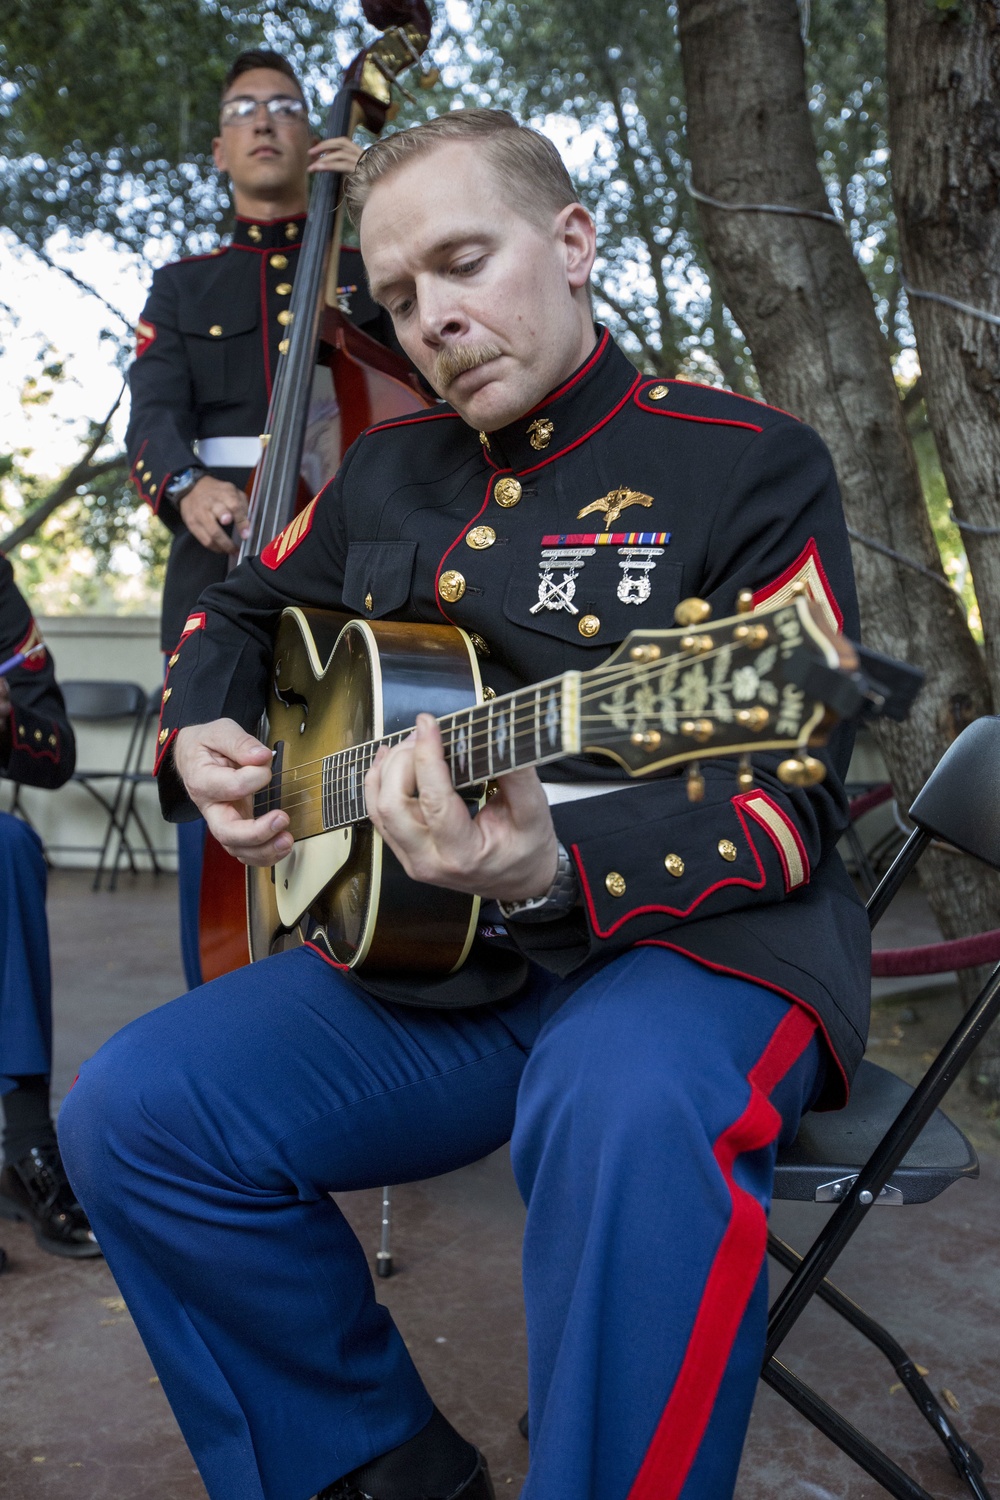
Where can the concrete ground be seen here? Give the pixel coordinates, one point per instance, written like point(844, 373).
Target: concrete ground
point(82, 1416)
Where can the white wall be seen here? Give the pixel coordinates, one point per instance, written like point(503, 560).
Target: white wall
point(93, 647)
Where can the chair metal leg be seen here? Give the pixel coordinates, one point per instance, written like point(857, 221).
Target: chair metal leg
point(965, 1459)
point(383, 1258)
point(847, 1437)
point(912, 1118)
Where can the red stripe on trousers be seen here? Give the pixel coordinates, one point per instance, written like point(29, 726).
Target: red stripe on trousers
point(731, 1279)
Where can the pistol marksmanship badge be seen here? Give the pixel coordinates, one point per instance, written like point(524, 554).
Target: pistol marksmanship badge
point(635, 587)
point(614, 503)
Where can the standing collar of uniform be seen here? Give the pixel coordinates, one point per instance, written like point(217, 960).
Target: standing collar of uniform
point(567, 416)
point(269, 234)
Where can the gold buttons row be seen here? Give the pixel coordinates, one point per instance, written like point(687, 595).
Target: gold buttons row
point(673, 864)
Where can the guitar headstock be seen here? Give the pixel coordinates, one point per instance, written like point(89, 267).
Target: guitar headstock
point(755, 681)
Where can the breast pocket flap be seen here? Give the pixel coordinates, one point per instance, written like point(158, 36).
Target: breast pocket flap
point(377, 577)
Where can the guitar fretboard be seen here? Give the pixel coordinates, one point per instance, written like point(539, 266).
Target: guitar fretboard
point(525, 728)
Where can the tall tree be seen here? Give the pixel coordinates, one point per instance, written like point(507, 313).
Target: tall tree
point(944, 99)
point(802, 301)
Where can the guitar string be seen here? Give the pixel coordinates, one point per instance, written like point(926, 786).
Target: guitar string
point(310, 794)
point(643, 672)
point(338, 782)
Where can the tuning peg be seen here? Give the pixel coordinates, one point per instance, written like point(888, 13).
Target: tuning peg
point(752, 636)
point(744, 602)
point(744, 776)
point(692, 611)
point(646, 739)
point(695, 782)
point(429, 77)
point(646, 652)
point(697, 729)
point(801, 770)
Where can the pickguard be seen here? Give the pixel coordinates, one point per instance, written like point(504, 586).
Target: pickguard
point(311, 865)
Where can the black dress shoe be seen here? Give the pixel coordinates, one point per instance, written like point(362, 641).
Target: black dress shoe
point(37, 1191)
point(479, 1486)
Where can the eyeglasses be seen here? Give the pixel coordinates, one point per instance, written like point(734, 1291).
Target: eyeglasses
point(243, 109)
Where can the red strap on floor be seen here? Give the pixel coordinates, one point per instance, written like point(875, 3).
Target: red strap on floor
point(937, 958)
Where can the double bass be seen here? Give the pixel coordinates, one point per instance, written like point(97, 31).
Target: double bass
point(332, 382)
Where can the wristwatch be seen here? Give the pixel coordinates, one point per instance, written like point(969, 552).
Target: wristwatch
point(183, 483)
point(559, 899)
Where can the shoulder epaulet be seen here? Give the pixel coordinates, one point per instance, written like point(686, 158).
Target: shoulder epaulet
point(690, 401)
point(187, 260)
point(432, 414)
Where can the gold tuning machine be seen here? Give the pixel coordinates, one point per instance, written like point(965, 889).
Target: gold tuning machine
point(752, 636)
point(744, 776)
point(744, 602)
point(692, 611)
point(695, 782)
point(646, 652)
point(429, 77)
point(697, 729)
point(646, 739)
point(801, 770)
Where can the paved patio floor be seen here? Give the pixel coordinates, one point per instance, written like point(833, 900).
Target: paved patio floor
point(82, 1416)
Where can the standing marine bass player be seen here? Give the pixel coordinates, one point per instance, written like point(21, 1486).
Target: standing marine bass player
point(659, 987)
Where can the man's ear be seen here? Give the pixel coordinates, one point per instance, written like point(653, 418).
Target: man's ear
point(219, 152)
point(578, 236)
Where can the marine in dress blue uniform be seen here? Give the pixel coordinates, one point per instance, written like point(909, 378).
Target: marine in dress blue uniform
point(645, 1050)
point(36, 749)
point(207, 349)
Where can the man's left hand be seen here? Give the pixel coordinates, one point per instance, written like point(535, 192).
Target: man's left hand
point(336, 155)
point(508, 852)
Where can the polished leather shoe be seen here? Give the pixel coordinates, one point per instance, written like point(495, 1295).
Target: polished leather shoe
point(479, 1486)
point(37, 1191)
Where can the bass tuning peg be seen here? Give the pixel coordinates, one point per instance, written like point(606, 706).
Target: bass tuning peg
point(695, 782)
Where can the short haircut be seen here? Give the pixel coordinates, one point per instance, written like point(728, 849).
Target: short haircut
point(527, 163)
point(261, 58)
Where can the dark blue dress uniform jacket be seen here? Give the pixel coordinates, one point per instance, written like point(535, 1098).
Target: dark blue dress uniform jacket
point(42, 751)
point(206, 357)
point(743, 497)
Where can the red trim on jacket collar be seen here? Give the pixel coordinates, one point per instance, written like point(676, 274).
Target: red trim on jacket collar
point(731, 1278)
point(587, 435)
point(574, 379)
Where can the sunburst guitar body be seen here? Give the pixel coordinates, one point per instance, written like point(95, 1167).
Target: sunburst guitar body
point(339, 686)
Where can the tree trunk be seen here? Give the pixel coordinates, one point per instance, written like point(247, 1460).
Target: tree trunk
point(944, 122)
point(800, 297)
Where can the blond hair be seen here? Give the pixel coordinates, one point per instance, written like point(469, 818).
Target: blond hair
point(526, 163)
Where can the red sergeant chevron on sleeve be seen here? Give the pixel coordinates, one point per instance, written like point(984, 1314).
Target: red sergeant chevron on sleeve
point(285, 543)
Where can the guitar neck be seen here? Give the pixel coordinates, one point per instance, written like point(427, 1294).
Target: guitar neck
point(529, 727)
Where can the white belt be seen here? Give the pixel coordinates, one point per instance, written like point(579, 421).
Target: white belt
point(575, 791)
point(229, 452)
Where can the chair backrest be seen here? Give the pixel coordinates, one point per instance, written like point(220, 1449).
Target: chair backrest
point(960, 801)
point(96, 701)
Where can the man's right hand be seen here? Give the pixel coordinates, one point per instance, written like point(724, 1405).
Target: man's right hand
point(222, 766)
point(209, 507)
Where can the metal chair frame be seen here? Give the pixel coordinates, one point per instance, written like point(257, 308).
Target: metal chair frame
point(887, 1175)
point(107, 702)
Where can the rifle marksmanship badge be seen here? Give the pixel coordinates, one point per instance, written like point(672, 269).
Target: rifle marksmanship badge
point(635, 586)
point(559, 569)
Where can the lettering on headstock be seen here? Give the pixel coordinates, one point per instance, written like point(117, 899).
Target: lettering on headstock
point(793, 702)
point(788, 625)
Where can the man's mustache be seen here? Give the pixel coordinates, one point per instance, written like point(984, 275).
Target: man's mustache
point(457, 358)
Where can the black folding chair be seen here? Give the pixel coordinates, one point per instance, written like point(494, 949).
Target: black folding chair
point(892, 1144)
point(111, 703)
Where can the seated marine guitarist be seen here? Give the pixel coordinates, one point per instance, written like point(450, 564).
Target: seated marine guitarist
point(659, 989)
